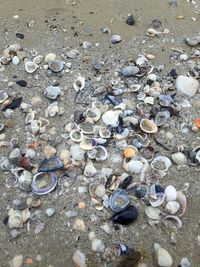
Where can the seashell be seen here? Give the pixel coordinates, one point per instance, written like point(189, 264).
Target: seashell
point(185, 263)
point(175, 219)
point(14, 154)
point(104, 132)
point(14, 142)
point(73, 54)
point(79, 258)
point(139, 141)
point(170, 193)
point(133, 166)
point(52, 109)
point(101, 141)
point(2, 126)
point(179, 158)
point(50, 57)
point(115, 39)
point(24, 163)
point(76, 135)
point(111, 117)
point(99, 153)
point(130, 152)
point(130, 71)
point(122, 135)
point(147, 153)
point(14, 219)
point(51, 164)
point(148, 126)
point(38, 59)
point(126, 216)
point(155, 91)
point(152, 213)
point(187, 85)
point(98, 245)
point(151, 32)
point(161, 163)
point(35, 126)
point(93, 113)
point(119, 200)
point(162, 117)
point(89, 170)
point(159, 201)
point(88, 144)
point(135, 88)
point(181, 198)
point(163, 257)
point(172, 207)
point(197, 151)
point(30, 117)
point(100, 190)
point(30, 66)
point(43, 124)
point(86, 127)
point(3, 96)
point(112, 252)
point(142, 60)
point(24, 178)
point(44, 183)
point(77, 153)
point(56, 65)
point(166, 100)
point(52, 92)
point(79, 83)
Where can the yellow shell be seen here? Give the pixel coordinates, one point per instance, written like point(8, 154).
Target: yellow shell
point(130, 152)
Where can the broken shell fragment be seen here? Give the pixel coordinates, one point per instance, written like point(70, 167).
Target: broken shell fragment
point(182, 200)
point(151, 32)
point(162, 117)
point(99, 153)
point(88, 144)
point(163, 257)
point(148, 126)
point(56, 65)
point(152, 213)
point(114, 251)
point(76, 135)
point(24, 178)
point(187, 85)
point(175, 219)
point(111, 117)
point(44, 183)
point(133, 165)
point(30, 66)
point(119, 200)
point(79, 83)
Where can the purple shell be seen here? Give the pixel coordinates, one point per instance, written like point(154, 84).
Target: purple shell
point(44, 189)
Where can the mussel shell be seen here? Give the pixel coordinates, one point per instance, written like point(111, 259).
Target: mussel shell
point(127, 216)
point(119, 200)
point(51, 164)
point(56, 65)
point(126, 182)
point(46, 188)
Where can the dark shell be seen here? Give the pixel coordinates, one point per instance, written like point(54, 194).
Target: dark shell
point(130, 20)
point(127, 181)
point(119, 200)
point(130, 260)
point(51, 164)
point(120, 128)
point(140, 192)
point(127, 216)
point(46, 187)
point(159, 189)
point(14, 104)
point(156, 23)
point(79, 116)
point(113, 100)
point(24, 163)
point(19, 35)
point(173, 73)
point(21, 83)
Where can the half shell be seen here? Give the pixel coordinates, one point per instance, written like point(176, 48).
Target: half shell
point(93, 113)
point(162, 117)
point(104, 132)
point(86, 127)
point(161, 163)
point(30, 66)
point(56, 65)
point(98, 153)
point(44, 183)
point(148, 126)
point(79, 83)
point(88, 144)
point(159, 201)
point(119, 200)
point(76, 135)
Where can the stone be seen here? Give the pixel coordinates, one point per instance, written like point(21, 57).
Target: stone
point(193, 41)
point(185, 263)
point(17, 261)
point(115, 39)
point(130, 71)
point(79, 258)
point(52, 92)
point(79, 225)
point(49, 151)
point(98, 245)
point(86, 45)
point(187, 85)
point(71, 213)
point(50, 212)
point(15, 219)
point(49, 57)
point(15, 60)
point(36, 101)
point(179, 158)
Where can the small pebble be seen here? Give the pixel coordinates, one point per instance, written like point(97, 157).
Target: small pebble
point(15, 60)
point(49, 151)
point(52, 92)
point(50, 212)
point(17, 261)
point(36, 101)
point(79, 225)
point(21, 83)
point(19, 35)
point(130, 71)
point(79, 258)
point(98, 245)
point(115, 39)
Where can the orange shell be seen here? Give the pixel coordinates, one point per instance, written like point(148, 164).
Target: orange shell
point(130, 152)
point(197, 122)
point(29, 261)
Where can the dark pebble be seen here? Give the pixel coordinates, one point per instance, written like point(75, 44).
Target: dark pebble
point(149, 82)
point(20, 35)
point(130, 20)
point(159, 189)
point(15, 104)
point(173, 73)
point(21, 83)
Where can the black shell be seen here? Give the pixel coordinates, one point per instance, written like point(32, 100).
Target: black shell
point(126, 216)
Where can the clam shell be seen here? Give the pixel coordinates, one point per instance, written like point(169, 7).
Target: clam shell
point(56, 65)
point(86, 127)
point(88, 144)
point(93, 113)
point(24, 178)
point(162, 117)
point(104, 132)
point(159, 201)
point(133, 166)
point(76, 135)
point(151, 32)
point(170, 193)
point(181, 198)
point(99, 153)
point(172, 207)
point(111, 117)
point(175, 219)
point(122, 135)
point(161, 163)
point(152, 213)
point(130, 151)
point(38, 59)
point(148, 126)
point(79, 83)
point(3, 96)
point(30, 66)
point(147, 153)
point(119, 200)
point(163, 257)
point(44, 183)
point(30, 117)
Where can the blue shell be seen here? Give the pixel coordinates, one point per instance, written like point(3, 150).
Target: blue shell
point(51, 164)
point(46, 189)
point(115, 203)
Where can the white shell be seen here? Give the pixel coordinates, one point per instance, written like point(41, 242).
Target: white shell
point(170, 193)
point(164, 163)
point(159, 201)
point(90, 170)
point(87, 144)
point(79, 83)
point(133, 166)
point(30, 117)
point(15, 219)
point(152, 213)
point(179, 158)
point(111, 117)
point(98, 245)
point(30, 66)
point(172, 207)
point(93, 113)
point(187, 85)
point(163, 257)
point(76, 135)
point(38, 59)
point(104, 132)
point(34, 126)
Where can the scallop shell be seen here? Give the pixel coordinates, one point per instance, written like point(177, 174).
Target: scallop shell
point(30, 66)
point(161, 163)
point(79, 83)
point(76, 135)
point(152, 213)
point(159, 201)
point(3, 96)
point(86, 127)
point(56, 65)
point(88, 144)
point(162, 117)
point(148, 126)
point(44, 183)
point(119, 200)
point(99, 153)
point(104, 132)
